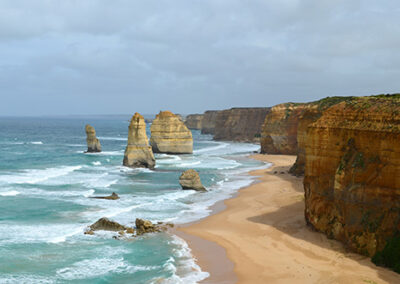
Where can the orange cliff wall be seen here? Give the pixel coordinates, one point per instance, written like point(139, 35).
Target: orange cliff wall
point(279, 131)
point(352, 172)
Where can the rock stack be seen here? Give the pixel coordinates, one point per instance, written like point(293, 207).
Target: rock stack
point(170, 135)
point(190, 179)
point(138, 153)
point(93, 143)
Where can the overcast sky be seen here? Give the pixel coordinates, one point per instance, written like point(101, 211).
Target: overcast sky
point(187, 56)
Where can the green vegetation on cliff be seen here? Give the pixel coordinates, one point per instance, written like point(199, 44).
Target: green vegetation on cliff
point(390, 255)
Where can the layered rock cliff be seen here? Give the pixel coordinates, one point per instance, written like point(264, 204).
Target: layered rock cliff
point(92, 142)
point(209, 120)
point(310, 113)
point(279, 131)
point(194, 121)
point(352, 172)
point(138, 153)
point(240, 124)
point(170, 135)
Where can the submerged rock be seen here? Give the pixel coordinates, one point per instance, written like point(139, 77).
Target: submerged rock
point(93, 143)
point(170, 135)
point(190, 179)
point(138, 153)
point(106, 225)
point(113, 196)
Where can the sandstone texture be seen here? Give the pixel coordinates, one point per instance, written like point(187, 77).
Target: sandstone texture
point(106, 225)
point(310, 113)
point(93, 143)
point(190, 179)
point(279, 131)
point(194, 121)
point(209, 120)
point(138, 153)
point(240, 124)
point(352, 172)
point(170, 135)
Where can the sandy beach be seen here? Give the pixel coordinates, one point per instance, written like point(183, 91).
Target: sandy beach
point(261, 237)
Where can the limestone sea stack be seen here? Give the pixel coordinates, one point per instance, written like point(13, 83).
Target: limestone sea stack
point(93, 143)
point(170, 135)
point(190, 179)
point(138, 153)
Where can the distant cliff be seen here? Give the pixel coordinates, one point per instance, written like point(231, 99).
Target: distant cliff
point(208, 123)
point(240, 124)
point(352, 173)
point(194, 121)
point(279, 131)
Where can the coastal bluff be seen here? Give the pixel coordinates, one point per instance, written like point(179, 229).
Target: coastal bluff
point(352, 173)
point(209, 121)
point(194, 121)
point(170, 135)
point(240, 124)
point(93, 144)
point(138, 153)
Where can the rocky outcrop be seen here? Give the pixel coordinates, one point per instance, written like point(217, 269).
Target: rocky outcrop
point(106, 225)
point(113, 196)
point(138, 153)
point(279, 131)
point(352, 172)
point(194, 121)
point(92, 142)
point(209, 120)
point(146, 226)
point(170, 135)
point(240, 124)
point(190, 179)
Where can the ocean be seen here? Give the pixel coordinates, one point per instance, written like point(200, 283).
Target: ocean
point(46, 180)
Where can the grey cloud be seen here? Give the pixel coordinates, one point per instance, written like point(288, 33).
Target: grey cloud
point(66, 57)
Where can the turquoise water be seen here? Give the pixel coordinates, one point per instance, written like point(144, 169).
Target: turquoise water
point(45, 182)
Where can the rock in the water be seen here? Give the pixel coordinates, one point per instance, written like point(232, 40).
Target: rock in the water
point(113, 196)
point(170, 135)
point(93, 143)
point(138, 153)
point(190, 179)
point(106, 225)
point(146, 226)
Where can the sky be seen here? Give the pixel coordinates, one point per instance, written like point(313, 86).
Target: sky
point(125, 56)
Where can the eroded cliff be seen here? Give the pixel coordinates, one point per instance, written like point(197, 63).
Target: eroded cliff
point(240, 124)
point(352, 172)
point(279, 131)
point(194, 121)
point(209, 120)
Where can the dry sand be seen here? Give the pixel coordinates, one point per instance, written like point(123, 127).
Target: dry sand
point(263, 233)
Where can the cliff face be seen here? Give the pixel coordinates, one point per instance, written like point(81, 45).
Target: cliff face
point(240, 124)
point(93, 143)
point(194, 121)
point(170, 135)
point(310, 113)
point(209, 120)
point(352, 172)
point(279, 131)
point(138, 153)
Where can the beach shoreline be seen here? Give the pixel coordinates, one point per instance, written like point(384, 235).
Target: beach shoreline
point(259, 236)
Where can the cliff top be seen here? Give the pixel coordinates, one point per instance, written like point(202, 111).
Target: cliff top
point(166, 113)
